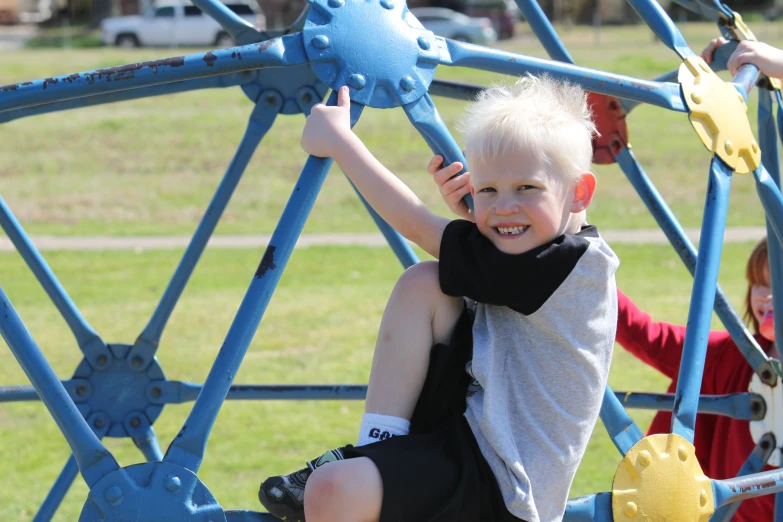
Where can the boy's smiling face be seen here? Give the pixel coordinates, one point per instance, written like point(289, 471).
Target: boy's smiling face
point(521, 203)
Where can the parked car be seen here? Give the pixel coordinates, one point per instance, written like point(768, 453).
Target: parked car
point(457, 26)
point(175, 24)
point(503, 14)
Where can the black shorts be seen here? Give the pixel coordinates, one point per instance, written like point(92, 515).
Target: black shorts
point(437, 472)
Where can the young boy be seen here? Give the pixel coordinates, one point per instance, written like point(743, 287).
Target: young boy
point(497, 399)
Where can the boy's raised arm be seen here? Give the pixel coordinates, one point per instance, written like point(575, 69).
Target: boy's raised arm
point(328, 133)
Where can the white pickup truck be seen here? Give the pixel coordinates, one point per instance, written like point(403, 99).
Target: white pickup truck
point(175, 24)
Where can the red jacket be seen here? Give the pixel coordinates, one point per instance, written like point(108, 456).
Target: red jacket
point(722, 443)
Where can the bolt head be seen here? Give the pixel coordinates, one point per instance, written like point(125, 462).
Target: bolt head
point(645, 459)
point(696, 97)
point(81, 390)
point(424, 42)
point(135, 422)
point(114, 495)
point(102, 360)
point(321, 42)
point(682, 453)
point(407, 84)
point(336, 3)
point(172, 483)
point(137, 361)
point(156, 392)
point(270, 100)
point(387, 4)
point(357, 81)
point(630, 509)
point(729, 147)
point(306, 97)
point(98, 423)
point(703, 498)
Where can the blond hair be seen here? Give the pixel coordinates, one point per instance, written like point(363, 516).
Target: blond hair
point(548, 117)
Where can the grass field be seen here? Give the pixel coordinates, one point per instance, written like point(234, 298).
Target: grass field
point(320, 327)
point(150, 166)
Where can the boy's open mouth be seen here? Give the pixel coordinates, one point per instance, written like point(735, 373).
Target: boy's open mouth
point(511, 231)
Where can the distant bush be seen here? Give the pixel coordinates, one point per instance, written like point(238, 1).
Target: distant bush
point(59, 38)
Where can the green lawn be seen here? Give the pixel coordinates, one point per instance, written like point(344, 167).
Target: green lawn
point(320, 327)
point(150, 166)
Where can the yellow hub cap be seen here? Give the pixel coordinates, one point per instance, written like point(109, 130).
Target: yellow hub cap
point(719, 115)
point(660, 480)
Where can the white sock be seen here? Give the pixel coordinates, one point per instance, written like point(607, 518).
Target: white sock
point(376, 427)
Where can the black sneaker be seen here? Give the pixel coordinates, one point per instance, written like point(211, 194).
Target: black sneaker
point(283, 495)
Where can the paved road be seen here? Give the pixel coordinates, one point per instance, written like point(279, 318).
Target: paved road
point(642, 236)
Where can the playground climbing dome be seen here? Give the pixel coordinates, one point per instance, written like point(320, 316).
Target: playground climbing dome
point(388, 60)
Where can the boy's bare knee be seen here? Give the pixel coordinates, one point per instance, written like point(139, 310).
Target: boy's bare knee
point(420, 278)
point(323, 493)
point(346, 491)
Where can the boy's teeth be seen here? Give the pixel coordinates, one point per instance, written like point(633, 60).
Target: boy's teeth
point(511, 230)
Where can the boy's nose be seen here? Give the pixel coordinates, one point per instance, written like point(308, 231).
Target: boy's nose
point(507, 207)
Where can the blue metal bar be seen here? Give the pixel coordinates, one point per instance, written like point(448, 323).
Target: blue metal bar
point(751, 486)
point(779, 98)
point(702, 297)
point(778, 516)
point(425, 118)
point(28, 393)
point(176, 392)
point(148, 445)
point(93, 458)
point(261, 120)
point(543, 29)
point(653, 15)
point(456, 90)
point(244, 32)
point(188, 447)
point(768, 141)
point(591, 508)
point(744, 406)
point(210, 82)
point(666, 95)
point(621, 428)
point(754, 463)
point(59, 489)
point(770, 199)
point(89, 341)
point(745, 79)
point(668, 223)
point(398, 244)
point(279, 52)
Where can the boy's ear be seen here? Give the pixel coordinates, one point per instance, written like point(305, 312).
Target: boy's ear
point(583, 192)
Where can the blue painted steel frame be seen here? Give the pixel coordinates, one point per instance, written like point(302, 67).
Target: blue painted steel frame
point(188, 449)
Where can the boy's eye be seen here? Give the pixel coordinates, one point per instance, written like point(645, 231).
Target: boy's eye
point(525, 187)
point(487, 189)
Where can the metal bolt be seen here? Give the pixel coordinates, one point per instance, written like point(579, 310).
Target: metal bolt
point(645, 458)
point(270, 100)
point(336, 3)
point(766, 375)
point(424, 42)
point(729, 147)
point(407, 84)
point(306, 97)
point(696, 97)
point(682, 453)
point(321, 42)
point(741, 98)
point(81, 390)
point(387, 4)
point(755, 407)
point(703, 498)
point(114, 495)
point(137, 361)
point(135, 422)
point(630, 510)
point(172, 483)
point(102, 360)
point(357, 81)
point(754, 146)
point(765, 445)
point(98, 423)
point(156, 392)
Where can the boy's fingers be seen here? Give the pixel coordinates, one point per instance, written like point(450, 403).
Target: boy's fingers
point(434, 164)
point(445, 174)
point(453, 184)
point(344, 98)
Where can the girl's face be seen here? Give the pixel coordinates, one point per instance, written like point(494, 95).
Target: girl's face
point(761, 305)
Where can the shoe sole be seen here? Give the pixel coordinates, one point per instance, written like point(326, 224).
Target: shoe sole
point(283, 512)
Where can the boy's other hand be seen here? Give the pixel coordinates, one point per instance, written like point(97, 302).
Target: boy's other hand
point(709, 51)
point(327, 128)
point(451, 189)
